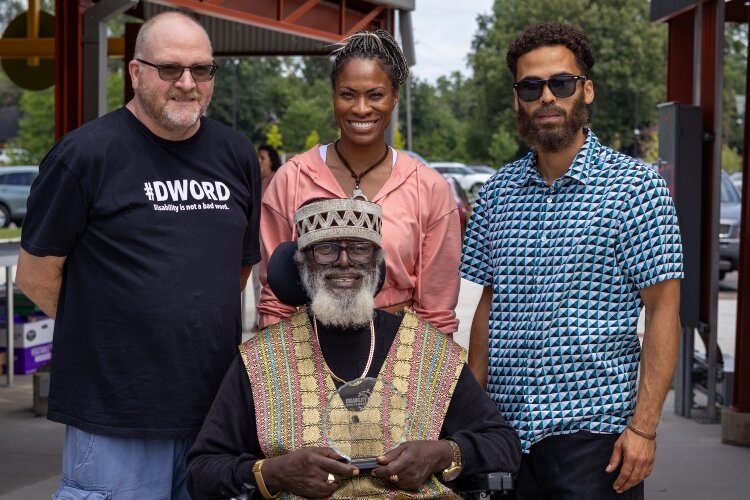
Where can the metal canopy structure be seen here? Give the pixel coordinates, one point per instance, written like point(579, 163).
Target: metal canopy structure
point(694, 77)
point(236, 28)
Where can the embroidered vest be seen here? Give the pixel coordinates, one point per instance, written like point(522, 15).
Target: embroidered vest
point(291, 386)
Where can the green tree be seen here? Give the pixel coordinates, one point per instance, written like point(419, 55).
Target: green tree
point(304, 115)
point(312, 139)
point(437, 134)
point(10, 93)
point(731, 160)
point(503, 147)
point(629, 75)
point(250, 92)
point(273, 138)
point(398, 139)
point(37, 124)
point(115, 89)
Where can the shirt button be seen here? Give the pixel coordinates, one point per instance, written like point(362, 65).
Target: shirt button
point(549, 199)
point(544, 238)
point(531, 399)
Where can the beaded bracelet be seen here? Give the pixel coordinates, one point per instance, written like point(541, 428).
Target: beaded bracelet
point(644, 435)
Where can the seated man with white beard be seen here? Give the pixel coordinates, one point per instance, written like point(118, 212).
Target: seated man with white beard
point(265, 432)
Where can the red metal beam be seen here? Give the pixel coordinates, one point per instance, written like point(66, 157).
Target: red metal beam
point(680, 58)
point(741, 390)
point(367, 19)
point(301, 11)
point(68, 28)
point(736, 11)
point(708, 67)
point(342, 17)
point(321, 20)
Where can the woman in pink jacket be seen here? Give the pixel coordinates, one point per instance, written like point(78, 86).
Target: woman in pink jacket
point(421, 229)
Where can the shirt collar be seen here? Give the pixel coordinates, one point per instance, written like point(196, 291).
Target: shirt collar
point(577, 172)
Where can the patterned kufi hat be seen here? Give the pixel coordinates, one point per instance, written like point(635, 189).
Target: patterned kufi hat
point(338, 218)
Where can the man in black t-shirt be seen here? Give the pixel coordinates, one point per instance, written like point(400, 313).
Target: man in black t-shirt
point(141, 231)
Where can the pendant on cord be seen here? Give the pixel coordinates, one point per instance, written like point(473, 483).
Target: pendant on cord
point(357, 193)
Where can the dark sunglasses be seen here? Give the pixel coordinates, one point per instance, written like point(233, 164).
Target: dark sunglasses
point(328, 252)
point(173, 72)
point(560, 86)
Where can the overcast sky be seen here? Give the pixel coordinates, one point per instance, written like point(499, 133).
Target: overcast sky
point(443, 31)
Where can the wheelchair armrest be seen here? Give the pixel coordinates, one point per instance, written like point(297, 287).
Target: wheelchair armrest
point(246, 493)
point(488, 482)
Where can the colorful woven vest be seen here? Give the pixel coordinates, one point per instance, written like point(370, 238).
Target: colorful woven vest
point(291, 386)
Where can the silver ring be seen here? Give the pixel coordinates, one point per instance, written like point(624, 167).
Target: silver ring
point(331, 479)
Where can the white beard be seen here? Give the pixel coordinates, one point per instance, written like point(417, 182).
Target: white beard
point(340, 308)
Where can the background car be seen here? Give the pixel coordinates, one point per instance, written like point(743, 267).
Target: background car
point(737, 180)
point(482, 169)
point(462, 202)
point(459, 195)
point(729, 226)
point(416, 155)
point(469, 180)
point(15, 185)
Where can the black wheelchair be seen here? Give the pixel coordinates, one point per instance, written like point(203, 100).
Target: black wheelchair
point(475, 487)
point(481, 486)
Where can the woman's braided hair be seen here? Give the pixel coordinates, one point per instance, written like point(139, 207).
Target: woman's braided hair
point(376, 44)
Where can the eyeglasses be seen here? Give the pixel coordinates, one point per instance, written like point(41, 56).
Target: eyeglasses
point(173, 72)
point(560, 86)
point(329, 252)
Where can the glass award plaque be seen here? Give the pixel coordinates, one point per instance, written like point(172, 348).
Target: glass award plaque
point(363, 419)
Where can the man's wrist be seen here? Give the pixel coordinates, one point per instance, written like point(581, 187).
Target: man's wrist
point(651, 436)
point(260, 481)
point(455, 466)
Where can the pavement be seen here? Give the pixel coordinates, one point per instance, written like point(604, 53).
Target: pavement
point(691, 461)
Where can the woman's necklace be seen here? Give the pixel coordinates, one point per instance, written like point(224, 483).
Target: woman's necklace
point(357, 193)
point(369, 356)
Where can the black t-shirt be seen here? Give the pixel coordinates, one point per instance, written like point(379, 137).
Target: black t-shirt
point(155, 233)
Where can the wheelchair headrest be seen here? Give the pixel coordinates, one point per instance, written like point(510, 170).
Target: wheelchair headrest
point(284, 279)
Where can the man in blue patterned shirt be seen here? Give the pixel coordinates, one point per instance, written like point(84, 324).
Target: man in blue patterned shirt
point(570, 242)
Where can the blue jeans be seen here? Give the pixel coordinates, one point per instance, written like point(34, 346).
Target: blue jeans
point(97, 467)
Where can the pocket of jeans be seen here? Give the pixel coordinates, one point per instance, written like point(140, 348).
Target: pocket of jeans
point(73, 493)
point(84, 447)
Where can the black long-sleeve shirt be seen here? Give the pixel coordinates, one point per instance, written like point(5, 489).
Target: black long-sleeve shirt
point(227, 446)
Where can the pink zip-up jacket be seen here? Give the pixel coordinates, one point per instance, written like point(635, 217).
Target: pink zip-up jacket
point(421, 234)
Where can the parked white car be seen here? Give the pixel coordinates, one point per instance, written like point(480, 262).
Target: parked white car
point(469, 179)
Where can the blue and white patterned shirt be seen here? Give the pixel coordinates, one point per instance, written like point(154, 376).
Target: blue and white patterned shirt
point(566, 264)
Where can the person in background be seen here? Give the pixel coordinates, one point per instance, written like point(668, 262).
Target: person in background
point(141, 231)
point(570, 242)
point(270, 162)
point(421, 226)
point(265, 426)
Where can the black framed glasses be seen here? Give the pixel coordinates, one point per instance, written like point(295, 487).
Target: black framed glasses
point(560, 86)
point(329, 252)
point(173, 72)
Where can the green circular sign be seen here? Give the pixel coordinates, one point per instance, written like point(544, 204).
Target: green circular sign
point(18, 70)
